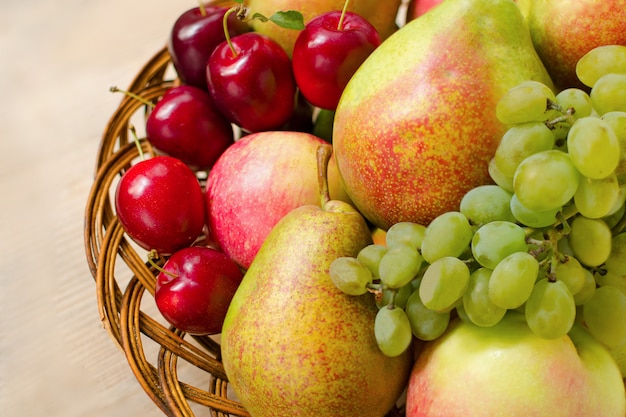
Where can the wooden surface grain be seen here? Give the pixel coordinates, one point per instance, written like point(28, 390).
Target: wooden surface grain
point(59, 59)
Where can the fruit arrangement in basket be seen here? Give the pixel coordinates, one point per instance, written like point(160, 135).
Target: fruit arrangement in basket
point(367, 208)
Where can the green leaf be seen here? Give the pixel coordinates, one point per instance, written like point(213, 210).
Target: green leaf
point(290, 19)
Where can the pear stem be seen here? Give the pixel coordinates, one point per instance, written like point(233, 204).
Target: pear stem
point(343, 14)
point(324, 153)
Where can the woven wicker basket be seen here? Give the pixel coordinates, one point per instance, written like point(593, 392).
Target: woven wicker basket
point(123, 275)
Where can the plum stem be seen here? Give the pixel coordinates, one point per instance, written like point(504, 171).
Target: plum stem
point(136, 140)
point(343, 14)
point(143, 100)
point(152, 255)
point(235, 9)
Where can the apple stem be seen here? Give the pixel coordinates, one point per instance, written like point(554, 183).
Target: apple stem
point(201, 7)
point(132, 95)
point(152, 255)
point(343, 14)
point(324, 153)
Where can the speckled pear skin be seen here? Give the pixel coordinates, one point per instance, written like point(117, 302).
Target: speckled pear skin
point(292, 343)
point(415, 127)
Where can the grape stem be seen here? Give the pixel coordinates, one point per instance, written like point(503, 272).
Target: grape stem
point(377, 290)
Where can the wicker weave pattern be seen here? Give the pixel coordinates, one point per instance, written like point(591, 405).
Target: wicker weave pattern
point(119, 300)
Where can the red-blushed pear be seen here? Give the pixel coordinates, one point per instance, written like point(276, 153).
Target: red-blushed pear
point(564, 30)
point(258, 180)
point(416, 125)
point(507, 370)
point(292, 343)
point(381, 14)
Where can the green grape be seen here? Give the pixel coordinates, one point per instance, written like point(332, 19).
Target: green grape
point(590, 239)
point(550, 310)
point(546, 180)
point(400, 298)
point(593, 147)
point(512, 280)
point(487, 203)
point(617, 121)
point(392, 331)
point(571, 272)
point(600, 61)
point(604, 316)
point(609, 93)
point(477, 304)
point(587, 290)
point(460, 311)
point(526, 102)
point(532, 218)
point(370, 256)
point(608, 278)
point(596, 198)
point(616, 262)
point(494, 241)
point(521, 141)
point(350, 276)
point(426, 324)
point(501, 180)
point(405, 233)
point(577, 99)
point(617, 212)
point(564, 247)
point(399, 265)
point(444, 283)
point(448, 234)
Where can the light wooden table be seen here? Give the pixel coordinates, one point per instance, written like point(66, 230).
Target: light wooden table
point(59, 59)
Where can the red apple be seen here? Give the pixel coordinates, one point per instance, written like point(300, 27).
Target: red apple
point(256, 182)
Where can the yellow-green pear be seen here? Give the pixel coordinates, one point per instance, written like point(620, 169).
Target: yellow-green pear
point(416, 125)
point(293, 345)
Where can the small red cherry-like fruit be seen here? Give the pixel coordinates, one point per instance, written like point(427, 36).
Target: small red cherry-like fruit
point(251, 82)
point(194, 290)
point(186, 124)
point(328, 52)
point(160, 204)
point(193, 37)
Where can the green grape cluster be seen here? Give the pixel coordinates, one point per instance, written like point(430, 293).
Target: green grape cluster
point(547, 239)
